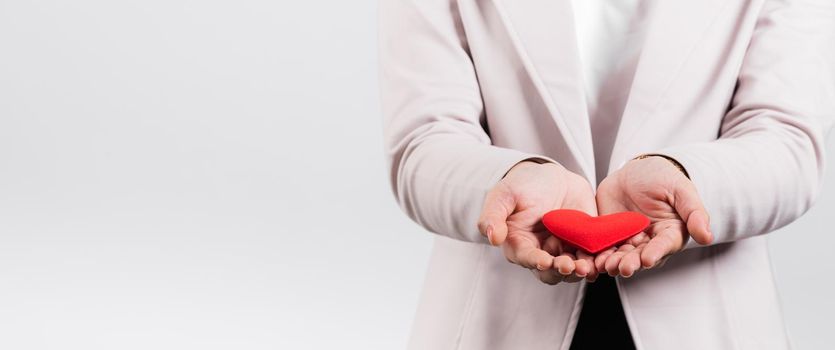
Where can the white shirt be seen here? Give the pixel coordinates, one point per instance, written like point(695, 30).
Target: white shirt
point(610, 35)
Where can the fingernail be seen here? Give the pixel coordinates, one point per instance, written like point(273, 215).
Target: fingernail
point(490, 233)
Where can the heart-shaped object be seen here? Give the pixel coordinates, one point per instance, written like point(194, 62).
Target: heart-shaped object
point(594, 234)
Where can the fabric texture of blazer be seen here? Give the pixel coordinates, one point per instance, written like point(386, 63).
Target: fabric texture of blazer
point(741, 92)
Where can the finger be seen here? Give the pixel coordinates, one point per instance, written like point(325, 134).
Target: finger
point(498, 205)
point(665, 243)
point(591, 276)
point(638, 239)
point(552, 245)
point(630, 263)
point(574, 277)
point(564, 265)
point(613, 260)
point(698, 226)
point(524, 252)
point(583, 264)
point(689, 206)
point(600, 259)
point(581, 267)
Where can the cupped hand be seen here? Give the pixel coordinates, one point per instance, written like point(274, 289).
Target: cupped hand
point(512, 213)
point(656, 188)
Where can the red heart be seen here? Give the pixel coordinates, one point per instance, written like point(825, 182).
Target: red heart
point(594, 234)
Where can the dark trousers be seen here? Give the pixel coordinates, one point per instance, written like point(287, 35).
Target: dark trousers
point(602, 322)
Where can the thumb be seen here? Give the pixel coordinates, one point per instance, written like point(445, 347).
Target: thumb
point(689, 206)
point(498, 205)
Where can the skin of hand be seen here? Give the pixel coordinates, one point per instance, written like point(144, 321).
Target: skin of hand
point(512, 213)
point(654, 187)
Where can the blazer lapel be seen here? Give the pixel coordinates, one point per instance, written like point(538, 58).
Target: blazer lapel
point(543, 32)
point(675, 31)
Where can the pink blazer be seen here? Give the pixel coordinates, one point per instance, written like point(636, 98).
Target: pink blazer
point(741, 92)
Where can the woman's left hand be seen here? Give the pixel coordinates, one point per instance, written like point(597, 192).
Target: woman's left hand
point(656, 188)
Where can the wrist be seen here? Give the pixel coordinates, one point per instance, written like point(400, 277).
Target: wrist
point(669, 159)
point(530, 163)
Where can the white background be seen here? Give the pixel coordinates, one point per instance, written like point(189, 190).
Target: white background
point(209, 175)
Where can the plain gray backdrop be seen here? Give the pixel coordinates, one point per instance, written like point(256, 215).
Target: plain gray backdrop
point(209, 175)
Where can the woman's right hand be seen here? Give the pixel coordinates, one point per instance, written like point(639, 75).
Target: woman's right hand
point(512, 213)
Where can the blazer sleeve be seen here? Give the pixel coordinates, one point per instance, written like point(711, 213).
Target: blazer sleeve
point(766, 168)
point(440, 158)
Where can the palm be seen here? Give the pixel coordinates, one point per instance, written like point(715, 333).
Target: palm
point(526, 224)
point(512, 215)
point(646, 198)
point(656, 189)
